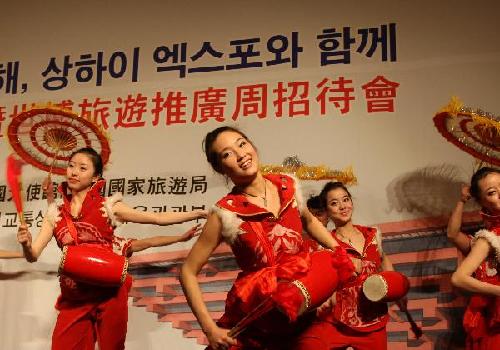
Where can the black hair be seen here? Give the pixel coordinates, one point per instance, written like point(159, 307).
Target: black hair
point(314, 203)
point(329, 186)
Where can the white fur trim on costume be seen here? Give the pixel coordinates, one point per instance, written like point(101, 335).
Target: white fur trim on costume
point(53, 214)
point(298, 193)
point(378, 237)
point(107, 208)
point(492, 239)
point(230, 224)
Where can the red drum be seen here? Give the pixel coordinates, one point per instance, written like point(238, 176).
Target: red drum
point(386, 286)
point(321, 279)
point(93, 265)
point(312, 290)
point(327, 269)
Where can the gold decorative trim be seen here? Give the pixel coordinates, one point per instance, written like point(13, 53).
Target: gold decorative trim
point(63, 260)
point(124, 271)
point(456, 107)
point(304, 291)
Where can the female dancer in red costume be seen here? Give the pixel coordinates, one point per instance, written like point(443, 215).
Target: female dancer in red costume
point(479, 272)
point(261, 220)
point(90, 313)
point(348, 318)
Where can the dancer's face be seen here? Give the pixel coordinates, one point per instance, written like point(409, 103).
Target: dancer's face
point(489, 189)
point(80, 172)
point(339, 206)
point(237, 156)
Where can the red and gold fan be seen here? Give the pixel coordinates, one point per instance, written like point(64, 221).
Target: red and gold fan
point(472, 130)
point(45, 137)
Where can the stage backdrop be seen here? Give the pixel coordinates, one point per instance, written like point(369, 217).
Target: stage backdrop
point(334, 83)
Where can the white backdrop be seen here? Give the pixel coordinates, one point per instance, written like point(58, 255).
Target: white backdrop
point(443, 49)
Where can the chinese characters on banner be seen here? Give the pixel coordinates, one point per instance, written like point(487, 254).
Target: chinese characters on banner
point(289, 99)
point(176, 186)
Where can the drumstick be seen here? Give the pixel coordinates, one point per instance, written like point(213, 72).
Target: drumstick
point(259, 310)
point(417, 331)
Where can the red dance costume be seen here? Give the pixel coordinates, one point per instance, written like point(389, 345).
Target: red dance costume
point(482, 316)
point(89, 313)
point(354, 321)
point(270, 252)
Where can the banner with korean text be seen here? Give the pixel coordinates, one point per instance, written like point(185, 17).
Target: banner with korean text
point(348, 86)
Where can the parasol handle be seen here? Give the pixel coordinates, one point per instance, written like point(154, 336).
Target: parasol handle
point(52, 163)
point(48, 186)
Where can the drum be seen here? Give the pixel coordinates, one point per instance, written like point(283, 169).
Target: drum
point(316, 286)
point(311, 290)
point(386, 286)
point(93, 265)
point(321, 280)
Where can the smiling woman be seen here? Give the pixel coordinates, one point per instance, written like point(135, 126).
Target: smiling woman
point(348, 319)
point(261, 220)
point(479, 272)
point(90, 311)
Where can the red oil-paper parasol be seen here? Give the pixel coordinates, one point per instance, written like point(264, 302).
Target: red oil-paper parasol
point(472, 130)
point(46, 136)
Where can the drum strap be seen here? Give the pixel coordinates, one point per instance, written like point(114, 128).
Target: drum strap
point(71, 226)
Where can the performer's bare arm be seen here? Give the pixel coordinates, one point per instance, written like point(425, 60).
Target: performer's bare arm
point(126, 214)
point(209, 239)
point(317, 231)
point(386, 263)
point(462, 278)
point(9, 254)
point(454, 233)
point(161, 241)
point(32, 250)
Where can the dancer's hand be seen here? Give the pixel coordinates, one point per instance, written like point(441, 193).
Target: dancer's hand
point(465, 195)
point(201, 213)
point(192, 232)
point(327, 306)
point(219, 339)
point(24, 236)
point(402, 305)
point(47, 184)
point(47, 188)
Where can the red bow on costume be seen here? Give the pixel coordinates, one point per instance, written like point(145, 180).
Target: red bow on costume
point(256, 286)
